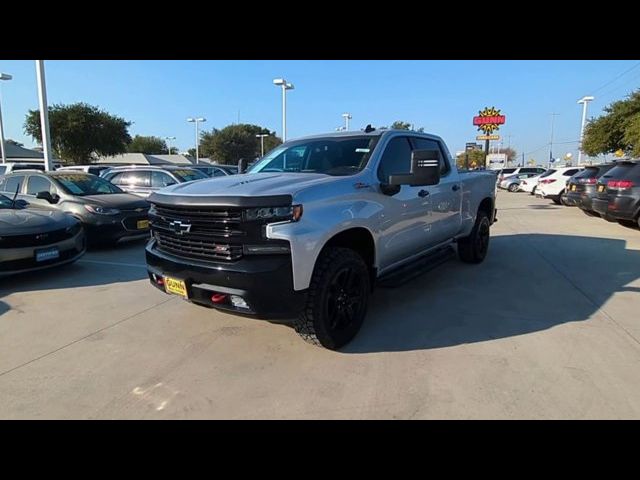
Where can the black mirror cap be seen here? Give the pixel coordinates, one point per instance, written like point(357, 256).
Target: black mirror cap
point(48, 197)
point(425, 169)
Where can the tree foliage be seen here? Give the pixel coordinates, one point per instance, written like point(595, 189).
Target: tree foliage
point(476, 159)
point(80, 132)
point(400, 125)
point(234, 142)
point(150, 145)
point(617, 129)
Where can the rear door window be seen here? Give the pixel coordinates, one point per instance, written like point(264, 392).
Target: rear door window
point(3, 169)
point(551, 171)
point(571, 172)
point(161, 180)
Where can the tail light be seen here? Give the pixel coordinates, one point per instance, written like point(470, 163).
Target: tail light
point(620, 184)
point(588, 181)
point(547, 181)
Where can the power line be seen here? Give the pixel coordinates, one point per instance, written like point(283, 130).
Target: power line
point(614, 79)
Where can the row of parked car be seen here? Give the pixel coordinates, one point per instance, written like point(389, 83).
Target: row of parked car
point(48, 218)
point(610, 191)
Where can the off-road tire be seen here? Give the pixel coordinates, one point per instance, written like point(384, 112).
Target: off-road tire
point(473, 248)
point(314, 322)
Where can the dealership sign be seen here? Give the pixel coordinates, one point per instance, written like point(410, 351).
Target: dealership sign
point(488, 137)
point(489, 120)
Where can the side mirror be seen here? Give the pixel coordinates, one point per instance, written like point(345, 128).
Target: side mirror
point(20, 203)
point(48, 197)
point(425, 170)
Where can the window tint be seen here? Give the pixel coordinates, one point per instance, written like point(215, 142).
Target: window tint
point(426, 144)
point(569, 173)
point(161, 179)
point(96, 170)
point(3, 169)
point(396, 159)
point(132, 179)
point(14, 183)
point(218, 172)
point(37, 184)
point(551, 171)
point(28, 167)
point(528, 170)
point(507, 171)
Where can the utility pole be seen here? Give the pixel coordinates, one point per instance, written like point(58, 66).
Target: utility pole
point(553, 116)
point(44, 115)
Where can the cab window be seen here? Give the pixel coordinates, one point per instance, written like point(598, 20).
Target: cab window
point(396, 159)
point(37, 184)
point(428, 144)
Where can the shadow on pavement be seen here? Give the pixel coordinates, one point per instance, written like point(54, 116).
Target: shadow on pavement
point(528, 283)
point(92, 269)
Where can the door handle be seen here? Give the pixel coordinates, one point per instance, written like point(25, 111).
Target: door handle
point(423, 193)
point(455, 188)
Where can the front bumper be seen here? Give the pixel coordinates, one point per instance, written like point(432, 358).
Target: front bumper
point(21, 260)
point(115, 227)
point(581, 200)
point(264, 282)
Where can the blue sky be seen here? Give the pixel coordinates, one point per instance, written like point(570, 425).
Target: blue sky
point(441, 96)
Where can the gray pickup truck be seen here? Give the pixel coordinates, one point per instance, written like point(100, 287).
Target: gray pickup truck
point(305, 235)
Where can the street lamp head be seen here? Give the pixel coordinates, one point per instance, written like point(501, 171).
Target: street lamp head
point(191, 120)
point(201, 119)
point(279, 81)
point(347, 115)
point(5, 76)
point(586, 99)
point(289, 86)
point(262, 135)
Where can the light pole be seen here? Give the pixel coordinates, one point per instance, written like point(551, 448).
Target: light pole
point(261, 137)
point(44, 115)
point(197, 121)
point(347, 117)
point(168, 139)
point(281, 82)
point(584, 101)
point(553, 116)
point(3, 76)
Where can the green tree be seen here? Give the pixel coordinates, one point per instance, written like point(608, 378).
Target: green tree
point(617, 129)
point(149, 145)
point(476, 159)
point(400, 125)
point(230, 144)
point(81, 132)
point(510, 152)
point(192, 152)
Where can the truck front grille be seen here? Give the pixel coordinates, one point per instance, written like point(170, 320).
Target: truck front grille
point(200, 233)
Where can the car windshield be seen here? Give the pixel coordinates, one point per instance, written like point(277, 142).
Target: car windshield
point(5, 202)
point(330, 156)
point(188, 174)
point(85, 184)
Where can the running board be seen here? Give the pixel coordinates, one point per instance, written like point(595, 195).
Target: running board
point(407, 272)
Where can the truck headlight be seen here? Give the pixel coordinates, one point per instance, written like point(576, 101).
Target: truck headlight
point(292, 213)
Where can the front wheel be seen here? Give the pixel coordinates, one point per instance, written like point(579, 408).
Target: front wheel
point(337, 299)
point(474, 248)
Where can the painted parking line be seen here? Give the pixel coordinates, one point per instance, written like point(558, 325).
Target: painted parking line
point(116, 264)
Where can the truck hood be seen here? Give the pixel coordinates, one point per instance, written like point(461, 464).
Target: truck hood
point(31, 221)
point(250, 185)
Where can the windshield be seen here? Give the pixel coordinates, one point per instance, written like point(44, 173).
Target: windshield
point(188, 174)
point(81, 185)
point(331, 156)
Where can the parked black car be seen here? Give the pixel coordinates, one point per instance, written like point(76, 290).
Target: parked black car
point(581, 188)
point(33, 239)
point(618, 194)
point(107, 213)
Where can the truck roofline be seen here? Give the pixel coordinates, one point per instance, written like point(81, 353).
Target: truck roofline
point(360, 133)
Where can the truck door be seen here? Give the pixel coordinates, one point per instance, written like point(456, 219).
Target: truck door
point(402, 226)
point(445, 215)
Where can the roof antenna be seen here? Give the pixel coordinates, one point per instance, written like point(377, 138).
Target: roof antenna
point(369, 129)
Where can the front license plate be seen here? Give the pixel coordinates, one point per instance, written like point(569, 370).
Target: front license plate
point(47, 254)
point(175, 286)
point(142, 224)
point(601, 188)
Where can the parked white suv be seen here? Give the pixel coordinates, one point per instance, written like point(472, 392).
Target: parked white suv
point(6, 168)
point(553, 185)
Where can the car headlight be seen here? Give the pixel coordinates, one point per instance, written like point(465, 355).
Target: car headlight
point(292, 213)
point(101, 210)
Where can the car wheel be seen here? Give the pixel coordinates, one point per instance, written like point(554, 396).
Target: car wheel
point(513, 187)
point(474, 248)
point(533, 192)
point(337, 299)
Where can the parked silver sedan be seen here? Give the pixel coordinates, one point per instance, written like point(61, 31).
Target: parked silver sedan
point(34, 239)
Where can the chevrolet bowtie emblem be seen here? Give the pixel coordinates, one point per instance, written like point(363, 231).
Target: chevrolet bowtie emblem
point(179, 228)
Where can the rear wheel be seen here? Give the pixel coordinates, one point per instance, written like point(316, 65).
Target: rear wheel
point(474, 248)
point(513, 187)
point(337, 299)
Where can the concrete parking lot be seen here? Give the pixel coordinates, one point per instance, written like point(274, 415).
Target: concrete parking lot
point(547, 327)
